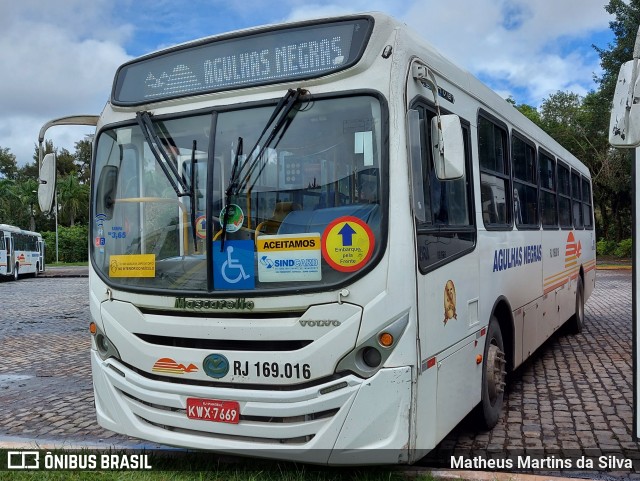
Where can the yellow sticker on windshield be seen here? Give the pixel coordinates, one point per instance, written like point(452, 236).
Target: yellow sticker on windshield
point(137, 265)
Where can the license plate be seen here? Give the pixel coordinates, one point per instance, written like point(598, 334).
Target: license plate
point(213, 410)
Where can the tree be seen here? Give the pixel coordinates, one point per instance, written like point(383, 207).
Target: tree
point(625, 28)
point(83, 158)
point(8, 164)
point(613, 179)
point(73, 198)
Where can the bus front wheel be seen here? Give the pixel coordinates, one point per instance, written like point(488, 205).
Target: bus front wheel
point(15, 272)
point(493, 377)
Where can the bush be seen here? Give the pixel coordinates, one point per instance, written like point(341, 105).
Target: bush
point(606, 247)
point(72, 244)
point(624, 249)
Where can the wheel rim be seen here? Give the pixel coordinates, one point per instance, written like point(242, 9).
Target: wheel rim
point(496, 372)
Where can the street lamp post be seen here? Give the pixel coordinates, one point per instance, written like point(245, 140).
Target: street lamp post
point(56, 194)
point(32, 221)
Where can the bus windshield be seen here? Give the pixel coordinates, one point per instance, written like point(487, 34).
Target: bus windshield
point(306, 212)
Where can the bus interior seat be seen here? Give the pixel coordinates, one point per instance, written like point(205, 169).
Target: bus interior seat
point(300, 221)
point(280, 211)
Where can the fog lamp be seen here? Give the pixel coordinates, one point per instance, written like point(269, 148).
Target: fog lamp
point(371, 356)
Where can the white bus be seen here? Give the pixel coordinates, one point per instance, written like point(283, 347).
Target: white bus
point(21, 252)
point(289, 258)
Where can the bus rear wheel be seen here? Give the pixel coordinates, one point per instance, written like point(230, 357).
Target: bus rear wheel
point(493, 377)
point(15, 272)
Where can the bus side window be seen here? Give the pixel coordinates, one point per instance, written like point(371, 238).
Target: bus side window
point(525, 183)
point(448, 231)
point(576, 203)
point(564, 196)
point(548, 186)
point(586, 204)
point(494, 174)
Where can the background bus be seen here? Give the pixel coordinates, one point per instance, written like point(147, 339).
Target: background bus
point(323, 241)
point(21, 252)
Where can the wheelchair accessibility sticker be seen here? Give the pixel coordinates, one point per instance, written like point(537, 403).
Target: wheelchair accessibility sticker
point(234, 268)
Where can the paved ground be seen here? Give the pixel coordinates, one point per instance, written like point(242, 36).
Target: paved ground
point(573, 397)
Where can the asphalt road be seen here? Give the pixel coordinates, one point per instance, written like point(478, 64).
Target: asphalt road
point(573, 397)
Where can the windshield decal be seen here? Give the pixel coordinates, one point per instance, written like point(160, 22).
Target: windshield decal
point(235, 218)
point(347, 244)
point(136, 265)
point(201, 226)
point(289, 258)
point(233, 267)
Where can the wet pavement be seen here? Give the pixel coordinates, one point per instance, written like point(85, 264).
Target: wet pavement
point(573, 397)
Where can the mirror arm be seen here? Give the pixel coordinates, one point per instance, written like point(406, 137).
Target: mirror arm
point(425, 76)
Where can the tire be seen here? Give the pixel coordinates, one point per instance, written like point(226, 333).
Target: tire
point(15, 272)
point(493, 378)
point(576, 322)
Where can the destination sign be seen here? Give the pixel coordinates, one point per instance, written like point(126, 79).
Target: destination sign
point(265, 57)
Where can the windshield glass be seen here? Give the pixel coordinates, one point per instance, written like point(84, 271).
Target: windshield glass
point(305, 213)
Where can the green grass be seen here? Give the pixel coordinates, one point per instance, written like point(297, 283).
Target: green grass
point(65, 264)
point(223, 473)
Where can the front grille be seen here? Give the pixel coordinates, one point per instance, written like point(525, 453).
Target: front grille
point(244, 417)
point(224, 345)
point(249, 439)
point(242, 434)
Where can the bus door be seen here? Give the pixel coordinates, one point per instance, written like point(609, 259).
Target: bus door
point(40, 255)
point(11, 255)
point(3, 255)
point(447, 288)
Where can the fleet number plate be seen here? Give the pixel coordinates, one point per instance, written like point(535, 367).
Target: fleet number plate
point(213, 410)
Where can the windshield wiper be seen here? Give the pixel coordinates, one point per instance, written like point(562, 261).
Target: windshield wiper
point(231, 191)
point(286, 111)
point(162, 157)
point(240, 176)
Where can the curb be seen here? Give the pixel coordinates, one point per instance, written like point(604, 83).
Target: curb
point(492, 476)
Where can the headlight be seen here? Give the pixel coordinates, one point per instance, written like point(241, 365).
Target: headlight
point(102, 344)
point(370, 355)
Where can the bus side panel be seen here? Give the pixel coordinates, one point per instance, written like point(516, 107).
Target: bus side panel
point(455, 388)
point(511, 264)
point(448, 321)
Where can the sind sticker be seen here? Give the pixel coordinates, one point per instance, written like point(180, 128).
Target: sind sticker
point(289, 258)
point(137, 265)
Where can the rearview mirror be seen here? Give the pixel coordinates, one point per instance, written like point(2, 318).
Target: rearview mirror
point(47, 187)
point(624, 125)
point(448, 147)
point(106, 191)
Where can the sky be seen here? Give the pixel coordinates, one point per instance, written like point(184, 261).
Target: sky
point(59, 57)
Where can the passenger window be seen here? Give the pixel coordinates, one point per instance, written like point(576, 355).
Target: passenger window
point(576, 204)
point(564, 196)
point(548, 188)
point(494, 174)
point(525, 184)
point(586, 204)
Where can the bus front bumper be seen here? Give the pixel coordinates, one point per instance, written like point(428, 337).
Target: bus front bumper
point(345, 421)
